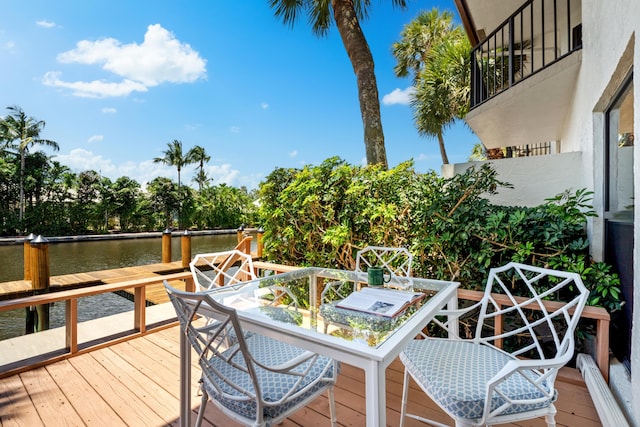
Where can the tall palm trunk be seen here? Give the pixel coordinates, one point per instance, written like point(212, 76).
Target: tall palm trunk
point(443, 152)
point(21, 207)
point(362, 61)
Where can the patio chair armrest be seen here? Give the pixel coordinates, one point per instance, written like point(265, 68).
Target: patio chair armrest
point(289, 364)
point(452, 317)
point(457, 313)
point(533, 384)
point(518, 365)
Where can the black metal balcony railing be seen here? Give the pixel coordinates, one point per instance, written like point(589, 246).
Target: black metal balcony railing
point(528, 150)
point(538, 34)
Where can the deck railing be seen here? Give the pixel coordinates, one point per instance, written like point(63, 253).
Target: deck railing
point(140, 326)
point(537, 35)
point(70, 299)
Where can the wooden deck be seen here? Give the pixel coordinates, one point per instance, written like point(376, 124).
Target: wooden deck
point(136, 383)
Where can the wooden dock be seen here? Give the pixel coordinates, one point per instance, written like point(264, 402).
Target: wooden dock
point(154, 294)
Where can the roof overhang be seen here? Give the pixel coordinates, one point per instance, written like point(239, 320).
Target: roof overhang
point(481, 17)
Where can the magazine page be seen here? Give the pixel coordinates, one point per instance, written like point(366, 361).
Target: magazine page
point(383, 302)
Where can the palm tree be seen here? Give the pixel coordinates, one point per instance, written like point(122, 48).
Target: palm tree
point(173, 156)
point(201, 178)
point(442, 94)
point(198, 155)
point(347, 15)
point(418, 38)
point(437, 54)
point(21, 132)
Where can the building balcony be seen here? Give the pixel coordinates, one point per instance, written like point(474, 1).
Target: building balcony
point(524, 72)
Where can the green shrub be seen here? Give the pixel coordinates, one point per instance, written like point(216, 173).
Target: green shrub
point(322, 215)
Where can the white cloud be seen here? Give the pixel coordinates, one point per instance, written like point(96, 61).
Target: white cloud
point(234, 129)
point(95, 138)
point(9, 45)
point(223, 174)
point(109, 110)
point(399, 96)
point(293, 153)
point(95, 88)
point(424, 157)
point(159, 59)
point(45, 24)
point(264, 105)
point(79, 160)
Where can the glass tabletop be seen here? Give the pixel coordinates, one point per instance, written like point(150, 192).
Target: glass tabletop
point(315, 299)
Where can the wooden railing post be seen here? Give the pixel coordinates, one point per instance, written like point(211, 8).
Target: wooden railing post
point(260, 242)
point(185, 246)
point(39, 258)
point(30, 315)
point(240, 233)
point(166, 246)
point(26, 258)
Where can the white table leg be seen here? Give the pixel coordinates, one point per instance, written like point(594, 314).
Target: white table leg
point(375, 394)
point(185, 381)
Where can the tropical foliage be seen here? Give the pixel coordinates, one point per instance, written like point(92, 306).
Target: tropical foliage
point(323, 215)
point(19, 132)
point(39, 195)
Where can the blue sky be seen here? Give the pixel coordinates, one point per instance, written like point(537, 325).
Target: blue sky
point(115, 81)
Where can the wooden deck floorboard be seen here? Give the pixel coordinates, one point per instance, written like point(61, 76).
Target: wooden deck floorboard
point(136, 383)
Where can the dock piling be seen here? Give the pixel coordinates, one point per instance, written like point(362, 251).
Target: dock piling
point(39, 262)
point(260, 242)
point(166, 246)
point(185, 246)
point(26, 258)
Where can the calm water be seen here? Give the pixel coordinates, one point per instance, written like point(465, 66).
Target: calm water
point(77, 257)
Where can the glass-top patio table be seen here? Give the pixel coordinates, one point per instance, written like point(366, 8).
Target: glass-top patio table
point(290, 307)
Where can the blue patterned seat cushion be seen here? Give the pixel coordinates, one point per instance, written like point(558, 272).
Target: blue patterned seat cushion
point(274, 386)
point(455, 374)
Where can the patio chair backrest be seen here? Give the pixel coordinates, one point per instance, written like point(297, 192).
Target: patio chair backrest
point(213, 270)
point(396, 261)
point(519, 297)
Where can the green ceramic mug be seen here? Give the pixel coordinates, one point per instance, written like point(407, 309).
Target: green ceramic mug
point(376, 276)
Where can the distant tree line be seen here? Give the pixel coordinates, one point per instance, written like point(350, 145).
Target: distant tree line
point(38, 194)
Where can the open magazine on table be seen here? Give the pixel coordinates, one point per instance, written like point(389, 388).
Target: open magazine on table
point(380, 301)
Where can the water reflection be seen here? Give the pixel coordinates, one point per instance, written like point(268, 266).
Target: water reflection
point(78, 257)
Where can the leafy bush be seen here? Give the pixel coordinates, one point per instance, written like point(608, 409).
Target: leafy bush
point(322, 215)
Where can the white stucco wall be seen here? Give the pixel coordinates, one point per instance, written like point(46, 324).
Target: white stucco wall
point(534, 179)
point(608, 30)
point(610, 50)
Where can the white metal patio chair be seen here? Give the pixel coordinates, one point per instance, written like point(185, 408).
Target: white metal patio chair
point(256, 381)
point(506, 370)
point(396, 261)
point(217, 269)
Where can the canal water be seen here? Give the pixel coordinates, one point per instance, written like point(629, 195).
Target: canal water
point(82, 256)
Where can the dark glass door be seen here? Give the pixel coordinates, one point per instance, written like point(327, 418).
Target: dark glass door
point(618, 216)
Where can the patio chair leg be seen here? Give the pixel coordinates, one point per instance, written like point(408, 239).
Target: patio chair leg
point(551, 420)
point(405, 397)
point(332, 408)
point(203, 405)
